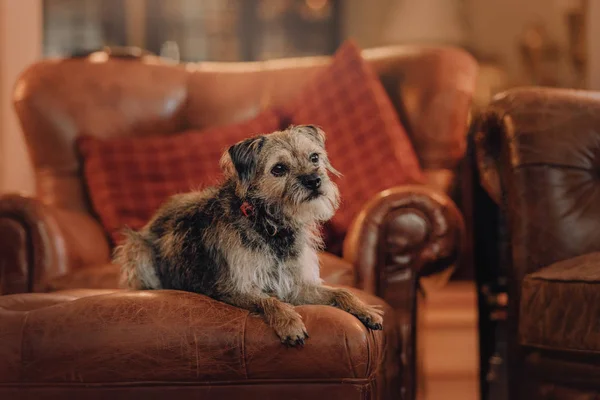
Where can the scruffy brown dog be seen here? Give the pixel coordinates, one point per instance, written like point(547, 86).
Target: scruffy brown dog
point(251, 242)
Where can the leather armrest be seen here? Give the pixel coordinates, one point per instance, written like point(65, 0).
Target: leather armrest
point(39, 242)
point(404, 232)
point(192, 335)
point(400, 235)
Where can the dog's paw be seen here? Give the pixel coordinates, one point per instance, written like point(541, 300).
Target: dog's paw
point(372, 317)
point(292, 331)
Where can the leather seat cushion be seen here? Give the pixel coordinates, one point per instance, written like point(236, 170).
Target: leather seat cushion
point(560, 306)
point(334, 270)
point(104, 276)
point(96, 336)
point(549, 371)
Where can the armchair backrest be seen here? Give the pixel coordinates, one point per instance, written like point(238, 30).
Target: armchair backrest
point(58, 100)
point(540, 152)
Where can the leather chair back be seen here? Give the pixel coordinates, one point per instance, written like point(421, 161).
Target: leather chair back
point(58, 100)
point(538, 152)
point(545, 179)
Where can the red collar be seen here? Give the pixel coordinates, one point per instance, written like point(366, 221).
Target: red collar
point(247, 209)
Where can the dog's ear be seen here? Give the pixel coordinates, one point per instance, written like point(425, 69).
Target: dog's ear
point(243, 157)
point(314, 132)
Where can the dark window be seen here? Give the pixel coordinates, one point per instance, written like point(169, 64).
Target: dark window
point(192, 30)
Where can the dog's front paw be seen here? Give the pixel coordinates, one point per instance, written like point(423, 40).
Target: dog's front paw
point(291, 330)
point(371, 317)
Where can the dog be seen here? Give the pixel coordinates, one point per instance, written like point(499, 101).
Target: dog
point(252, 241)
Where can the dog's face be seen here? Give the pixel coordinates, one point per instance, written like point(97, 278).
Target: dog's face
point(287, 169)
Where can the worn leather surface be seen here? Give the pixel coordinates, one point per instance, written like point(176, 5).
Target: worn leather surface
point(40, 242)
point(104, 276)
point(550, 164)
point(413, 225)
point(555, 373)
point(336, 270)
point(14, 271)
point(178, 338)
point(256, 390)
point(553, 391)
point(539, 156)
point(565, 297)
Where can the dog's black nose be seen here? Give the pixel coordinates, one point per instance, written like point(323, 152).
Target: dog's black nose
point(312, 181)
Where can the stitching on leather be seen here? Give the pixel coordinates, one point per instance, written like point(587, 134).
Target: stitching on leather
point(102, 385)
point(383, 353)
point(370, 338)
point(557, 349)
point(243, 345)
point(552, 165)
point(564, 280)
point(348, 355)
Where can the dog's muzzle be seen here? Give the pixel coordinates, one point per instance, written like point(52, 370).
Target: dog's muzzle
point(311, 182)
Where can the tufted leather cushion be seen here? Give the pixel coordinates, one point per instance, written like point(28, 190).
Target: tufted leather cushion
point(365, 140)
point(129, 178)
point(560, 306)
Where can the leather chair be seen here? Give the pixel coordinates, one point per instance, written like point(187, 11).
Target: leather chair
point(538, 151)
point(53, 242)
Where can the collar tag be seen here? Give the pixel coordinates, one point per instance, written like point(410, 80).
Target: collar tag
point(246, 209)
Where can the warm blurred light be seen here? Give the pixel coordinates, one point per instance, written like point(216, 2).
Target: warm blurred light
point(170, 50)
point(316, 4)
point(19, 91)
point(426, 22)
point(269, 10)
point(98, 57)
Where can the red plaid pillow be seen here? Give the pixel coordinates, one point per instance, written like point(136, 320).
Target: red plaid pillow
point(365, 139)
point(129, 178)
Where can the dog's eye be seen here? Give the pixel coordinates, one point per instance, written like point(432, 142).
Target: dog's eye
point(279, 170)
point(314, 157)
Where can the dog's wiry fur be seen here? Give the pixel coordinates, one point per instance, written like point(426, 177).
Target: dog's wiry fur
point(264, 260)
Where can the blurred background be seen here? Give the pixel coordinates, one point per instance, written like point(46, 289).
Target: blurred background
point(541, 42)
point(516, 42)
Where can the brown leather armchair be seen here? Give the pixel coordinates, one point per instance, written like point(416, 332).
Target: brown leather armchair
point(54, 242)
point(539, 155)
